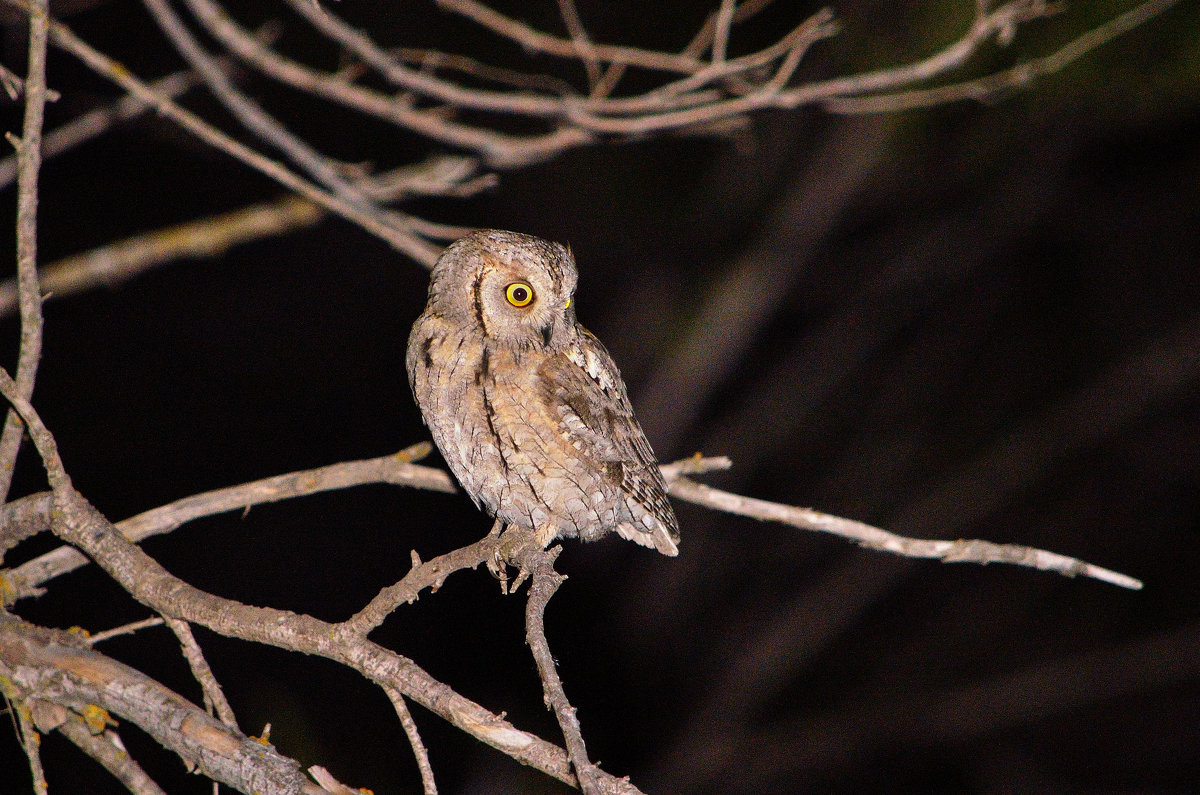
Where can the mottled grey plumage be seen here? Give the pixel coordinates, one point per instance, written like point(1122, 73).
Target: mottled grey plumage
point(527, 407)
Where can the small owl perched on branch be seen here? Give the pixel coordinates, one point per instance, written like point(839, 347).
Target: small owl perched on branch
point(527, 407)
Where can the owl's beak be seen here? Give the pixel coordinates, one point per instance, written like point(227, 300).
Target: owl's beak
point(567, 305)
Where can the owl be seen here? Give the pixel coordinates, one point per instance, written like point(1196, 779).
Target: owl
point(526, 406)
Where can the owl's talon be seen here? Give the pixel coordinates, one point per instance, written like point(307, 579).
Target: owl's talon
point(498, 569)
point(522, 576)
point(515, 548)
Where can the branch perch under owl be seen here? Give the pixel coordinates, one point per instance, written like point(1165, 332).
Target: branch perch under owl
point(347, 641)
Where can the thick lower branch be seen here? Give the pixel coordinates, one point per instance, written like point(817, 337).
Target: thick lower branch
point(155, 587)
point(48, 665)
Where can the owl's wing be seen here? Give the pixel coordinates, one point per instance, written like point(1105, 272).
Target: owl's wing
point(595, 416)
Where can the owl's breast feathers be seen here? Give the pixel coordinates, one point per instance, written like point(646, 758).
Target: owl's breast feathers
point(443, 365)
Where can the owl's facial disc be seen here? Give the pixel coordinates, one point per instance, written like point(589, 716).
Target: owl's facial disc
point(519, 304)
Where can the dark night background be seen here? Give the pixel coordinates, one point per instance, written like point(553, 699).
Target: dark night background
point(972, 321)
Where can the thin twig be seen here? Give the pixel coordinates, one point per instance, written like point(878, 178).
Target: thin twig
point(113, 263)
point(11, 82)
point(328, 783)
point(513, 102)
point(96, 122)
point(495, 148)
point(266, 126)
point(210, 237)
point(396, 469)
point(951, 57)
point(721, 29)
point(214, 696)
point(584, 49)
point(472, 67)
point(710, 93)
point(124, 629)
point(545, 581)
point(414, 739)
point(960, 551)
point(689, 91)
point(430, 574)
point(537, 41)
point(705, 36)
point(30, 743)
point(989, 87)
point(107, 749)
point(29, 162)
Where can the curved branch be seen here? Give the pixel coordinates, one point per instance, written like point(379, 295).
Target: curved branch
point(497, 149)
point(47, 665)
point(395, 469)
point(29, 163)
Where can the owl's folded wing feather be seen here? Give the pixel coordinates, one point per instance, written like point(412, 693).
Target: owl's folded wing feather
point(596, 417)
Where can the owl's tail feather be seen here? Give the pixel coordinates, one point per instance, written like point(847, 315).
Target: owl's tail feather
point(656, 538)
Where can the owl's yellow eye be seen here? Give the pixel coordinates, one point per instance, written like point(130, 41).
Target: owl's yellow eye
point(518, 294)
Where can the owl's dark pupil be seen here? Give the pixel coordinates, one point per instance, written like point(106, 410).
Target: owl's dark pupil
point(520, 295)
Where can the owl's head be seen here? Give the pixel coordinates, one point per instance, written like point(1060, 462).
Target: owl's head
point(518, 288)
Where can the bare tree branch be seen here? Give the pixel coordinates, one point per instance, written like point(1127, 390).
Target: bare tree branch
point(22, 519)
point(395, 469)
point(47, 665)
point(496, 148)
point(428, 783)
point(106, 748)
point(544, 582)
point(29, 162)
point(214, 698)
point(121, 260)
point(430, 574)
point(30, 739)
point(269, 129)
point(81, 525)
point(104, 66)
point(125, 629)
point(960, 551)
point(584, 51)
point(97, 122)
point(211, 237)
point(996, 85)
